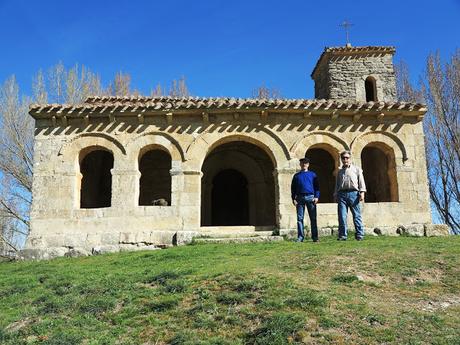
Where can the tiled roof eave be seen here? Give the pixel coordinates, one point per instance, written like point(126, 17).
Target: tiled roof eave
point(134, 107)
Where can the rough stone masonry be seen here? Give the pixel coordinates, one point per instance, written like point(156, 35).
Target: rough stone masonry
point(130, 173)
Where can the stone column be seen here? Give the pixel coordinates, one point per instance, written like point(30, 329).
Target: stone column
point(189, 198)
point(125, 189)
point(285, 212)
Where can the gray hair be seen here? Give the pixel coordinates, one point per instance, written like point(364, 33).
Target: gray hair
point(344, 153)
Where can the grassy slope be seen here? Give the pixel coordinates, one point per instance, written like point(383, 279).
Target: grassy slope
point(278, 293)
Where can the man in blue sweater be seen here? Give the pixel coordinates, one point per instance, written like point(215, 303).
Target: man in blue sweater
point(305, 193)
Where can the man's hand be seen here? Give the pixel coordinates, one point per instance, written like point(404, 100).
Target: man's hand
point(294, 202)
point(315, 201)
point(361, 196)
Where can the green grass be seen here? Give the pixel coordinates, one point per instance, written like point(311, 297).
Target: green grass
point(383, 290)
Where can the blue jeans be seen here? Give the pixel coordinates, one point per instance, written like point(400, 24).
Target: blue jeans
point(302, 202)
point(345, 201)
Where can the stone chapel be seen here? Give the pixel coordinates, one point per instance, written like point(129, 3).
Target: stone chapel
point(126, 173)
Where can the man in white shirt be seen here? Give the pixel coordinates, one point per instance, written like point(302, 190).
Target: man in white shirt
point(349, 192)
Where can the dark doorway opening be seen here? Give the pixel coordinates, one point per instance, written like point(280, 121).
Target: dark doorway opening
point(96, 182)
point(379, 174)
point(323, 164)
point(237, 186)
point(155, 181)
point(230, 198)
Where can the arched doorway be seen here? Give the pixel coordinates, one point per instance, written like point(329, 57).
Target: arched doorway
point(96, 178)
point(322, 162)
point(379, 170)
point(237, 186)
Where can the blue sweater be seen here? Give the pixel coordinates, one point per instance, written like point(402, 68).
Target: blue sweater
point(305, 182)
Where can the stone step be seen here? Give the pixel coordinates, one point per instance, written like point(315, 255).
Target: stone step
point(255, 239)
point(237, 228)
point(234, 234)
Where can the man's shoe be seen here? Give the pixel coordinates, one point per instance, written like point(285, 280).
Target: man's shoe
point(359, 239)
point(299, 240)
point(315, 240)
point(341, 239)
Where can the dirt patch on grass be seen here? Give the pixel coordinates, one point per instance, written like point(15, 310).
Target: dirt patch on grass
point(430, 276)
point(17, 325)
point(440, 304)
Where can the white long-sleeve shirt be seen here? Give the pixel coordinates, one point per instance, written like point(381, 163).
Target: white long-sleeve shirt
point(350, 178)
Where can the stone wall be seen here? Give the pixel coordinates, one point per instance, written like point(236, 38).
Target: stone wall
point(343, 77)
point(58, 221)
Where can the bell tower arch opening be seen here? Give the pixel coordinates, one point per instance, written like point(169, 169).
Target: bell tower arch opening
point(370, 89)
point(237, 186)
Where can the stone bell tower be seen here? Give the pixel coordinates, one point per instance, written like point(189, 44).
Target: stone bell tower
point(362, 74)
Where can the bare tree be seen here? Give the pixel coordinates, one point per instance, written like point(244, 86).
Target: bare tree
point(121, 85)
point(16, 151)
point(158, 91)
point(264, 92)
point(440, 89)
point(16, 139)
point(179, 88)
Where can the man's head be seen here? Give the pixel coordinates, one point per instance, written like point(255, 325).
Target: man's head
point(304, 163)
point(345, 157)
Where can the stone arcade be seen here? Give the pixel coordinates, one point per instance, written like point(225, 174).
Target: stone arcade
point(222, 165)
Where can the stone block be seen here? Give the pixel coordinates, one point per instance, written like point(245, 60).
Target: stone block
point(42, 253)
point(144, 237)
point(385, 231)
point(110, 238)
point(75, 240)
point(105, 249)
point(92, 240)
point(327, 231)
point(288, 233)
point(127, 237)
point(416, 230)
point(436, 230)
point(185, 237)
point(77, 252)
point(56, 240)
point(134, 247)
point(162, 237)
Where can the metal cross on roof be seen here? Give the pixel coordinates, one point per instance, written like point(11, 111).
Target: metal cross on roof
point(346, 25)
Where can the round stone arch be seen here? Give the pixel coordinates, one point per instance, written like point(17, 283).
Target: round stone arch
point(325, 140)
point(73, 151)
point(154, 140)
point(255, 165)
point(151, 141)
point(389, 139)
point(249, 169)
point(205, 143)
point(324, 161)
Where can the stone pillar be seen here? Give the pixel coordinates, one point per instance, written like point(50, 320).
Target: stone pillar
point(125, 189)
point(189, 198)
point(285, 212)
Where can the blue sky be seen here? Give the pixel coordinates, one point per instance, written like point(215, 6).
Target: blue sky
point(223, 48)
